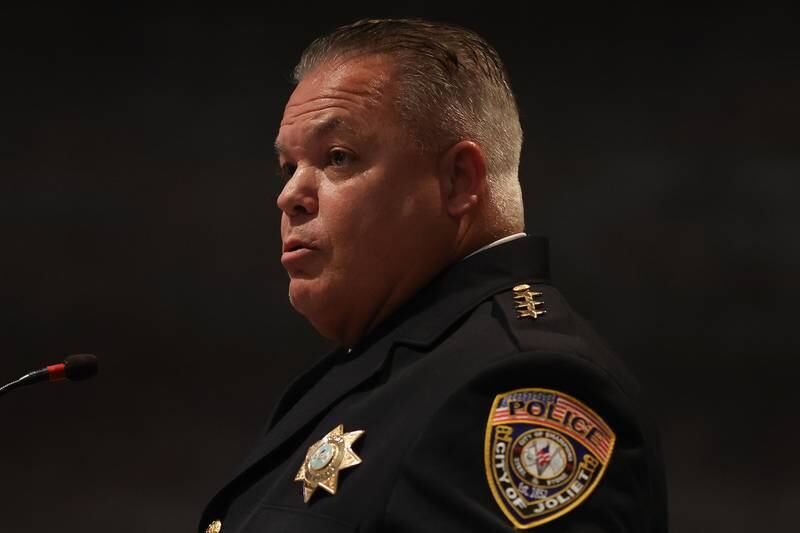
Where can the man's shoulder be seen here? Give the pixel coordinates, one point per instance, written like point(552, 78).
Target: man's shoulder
point(534, 324)
point(520, 379)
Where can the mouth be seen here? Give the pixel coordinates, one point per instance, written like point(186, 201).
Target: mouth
point(294, 251)
point(294, 245)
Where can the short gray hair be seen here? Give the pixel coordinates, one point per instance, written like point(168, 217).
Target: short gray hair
point(453, 87)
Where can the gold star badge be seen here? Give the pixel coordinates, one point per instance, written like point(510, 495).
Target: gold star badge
point(325, 458)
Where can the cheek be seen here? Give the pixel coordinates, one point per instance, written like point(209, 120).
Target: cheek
point(352, 214)
point(355, 238)
point(361, 242)
point(372, 218)
point(284, 224)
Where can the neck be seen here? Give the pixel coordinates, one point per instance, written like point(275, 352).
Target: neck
point(360, 324)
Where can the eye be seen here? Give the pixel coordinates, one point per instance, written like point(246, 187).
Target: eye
point(339, 157)
point(287, 170)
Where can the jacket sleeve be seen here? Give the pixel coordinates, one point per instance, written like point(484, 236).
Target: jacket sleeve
point(445, 481)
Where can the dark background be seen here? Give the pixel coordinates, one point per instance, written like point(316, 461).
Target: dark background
point(138, 222)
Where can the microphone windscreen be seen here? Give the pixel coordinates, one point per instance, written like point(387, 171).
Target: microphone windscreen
point(80, 366)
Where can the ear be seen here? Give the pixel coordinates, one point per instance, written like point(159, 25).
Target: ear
point(462, 171)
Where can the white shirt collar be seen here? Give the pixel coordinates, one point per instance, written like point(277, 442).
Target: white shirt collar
point(498, 242)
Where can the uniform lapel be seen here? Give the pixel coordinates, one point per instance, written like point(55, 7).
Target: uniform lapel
point(337, 382)
point(324, 385)
point(315, 392)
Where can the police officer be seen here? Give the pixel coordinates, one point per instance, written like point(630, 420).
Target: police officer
point(466, 395)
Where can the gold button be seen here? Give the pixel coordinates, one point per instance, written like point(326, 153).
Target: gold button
point(214, 527)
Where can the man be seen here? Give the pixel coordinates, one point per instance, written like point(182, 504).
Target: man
point(466, 396)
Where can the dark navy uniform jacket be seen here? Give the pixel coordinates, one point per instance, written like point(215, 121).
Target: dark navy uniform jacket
point(421, 386)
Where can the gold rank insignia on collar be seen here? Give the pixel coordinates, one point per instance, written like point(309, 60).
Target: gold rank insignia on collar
point(214, 527)
point(524, 303)
point(325, 458)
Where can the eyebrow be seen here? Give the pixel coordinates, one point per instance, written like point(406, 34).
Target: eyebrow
point(323, 128)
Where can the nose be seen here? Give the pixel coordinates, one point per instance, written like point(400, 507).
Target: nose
point(299, 195)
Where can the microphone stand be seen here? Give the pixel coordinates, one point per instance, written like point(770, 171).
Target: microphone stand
point(28, 379)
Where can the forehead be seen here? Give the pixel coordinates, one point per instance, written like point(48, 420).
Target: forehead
point(339, 95)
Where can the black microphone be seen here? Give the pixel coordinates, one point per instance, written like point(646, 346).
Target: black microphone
point(74, 368)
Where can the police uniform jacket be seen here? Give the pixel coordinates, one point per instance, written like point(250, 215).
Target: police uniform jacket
point(427, 388)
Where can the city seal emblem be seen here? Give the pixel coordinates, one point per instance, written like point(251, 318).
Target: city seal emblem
point(544, 454)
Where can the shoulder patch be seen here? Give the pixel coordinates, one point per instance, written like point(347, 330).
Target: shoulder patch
point(544, 454)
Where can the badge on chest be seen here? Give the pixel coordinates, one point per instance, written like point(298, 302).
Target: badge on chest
point(325, 458)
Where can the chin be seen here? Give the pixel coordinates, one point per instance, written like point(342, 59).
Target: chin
point(308, 299)
point(301, 295)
